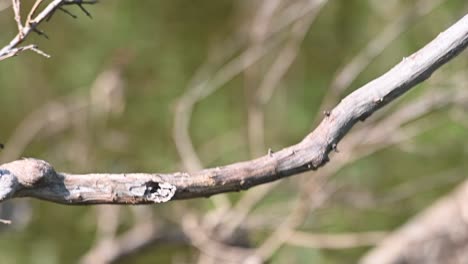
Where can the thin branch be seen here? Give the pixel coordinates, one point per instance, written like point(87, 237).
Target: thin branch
point(38, 179)
point(258, 35)
point(201, 90)
point(305, 203)
point(212, 248)
point(16, 51)
point(439, 234)
point(17, 10)
point(134, 240)
point(286, 56)
point(238, 214)
point(33, 11)
point(202, 87)
point(31, 24)
point(349, 72)
point(5, 222)
point(335, 241)
point(278, 69)
point(54, 114)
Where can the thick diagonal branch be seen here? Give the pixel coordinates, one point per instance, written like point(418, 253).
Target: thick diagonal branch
point(35, 178)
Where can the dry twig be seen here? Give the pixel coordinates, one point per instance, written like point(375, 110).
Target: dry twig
point(31, 24)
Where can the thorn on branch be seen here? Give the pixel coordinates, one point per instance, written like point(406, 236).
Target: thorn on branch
point(80, 4)
point(85, 11)
point(66, 12)
point(378, 100)
point(311, 166)
point(243, 185)
point(335, 147)
point(40, 32)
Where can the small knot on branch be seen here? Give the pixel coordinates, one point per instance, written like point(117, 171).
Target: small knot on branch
point(335, 147)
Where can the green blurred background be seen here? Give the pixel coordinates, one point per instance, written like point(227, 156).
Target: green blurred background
point(163, 44)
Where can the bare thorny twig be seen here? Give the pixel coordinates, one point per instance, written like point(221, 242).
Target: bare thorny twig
point(32, 22)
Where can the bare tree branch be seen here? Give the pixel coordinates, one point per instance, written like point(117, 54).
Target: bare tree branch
point(16, 9)
point(38, 179)
point(31, 24)
point(134, 240)
point(336, 241)
point(262, 95)
point(439, 235)
point(347, 74)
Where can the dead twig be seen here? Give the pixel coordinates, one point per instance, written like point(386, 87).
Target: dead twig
point(12, 49)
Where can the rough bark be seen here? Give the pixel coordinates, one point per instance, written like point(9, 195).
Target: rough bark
point(38, 179)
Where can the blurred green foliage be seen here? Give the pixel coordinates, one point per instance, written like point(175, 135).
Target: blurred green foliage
point(168, 41)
